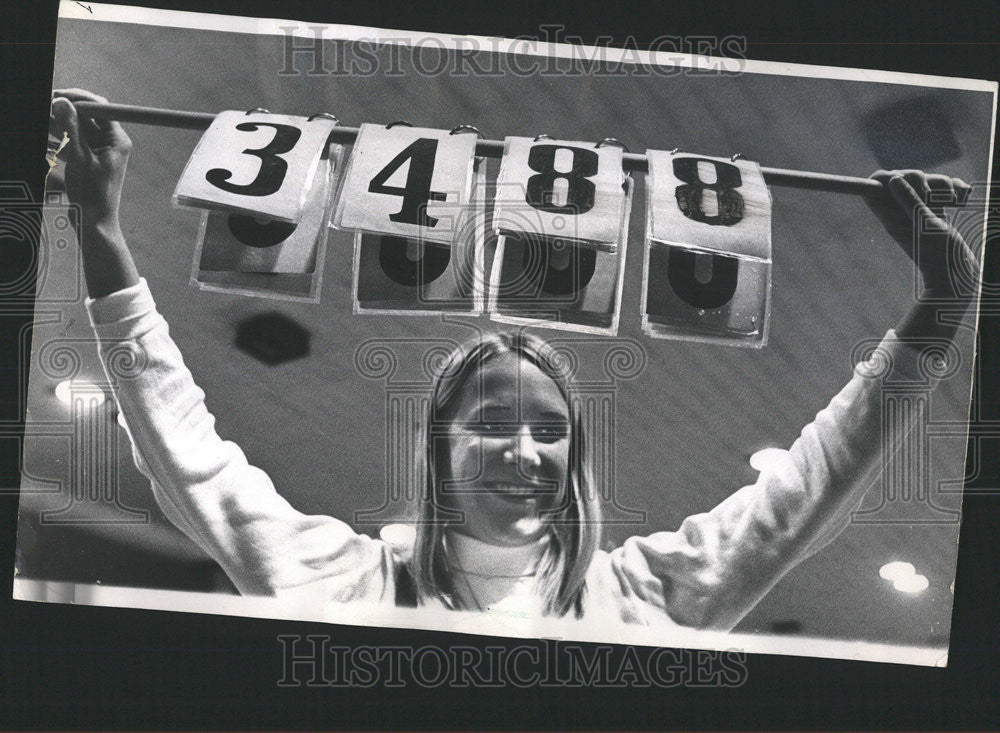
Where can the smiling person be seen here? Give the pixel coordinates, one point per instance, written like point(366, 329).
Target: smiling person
point(513, 520)
point(510, 518)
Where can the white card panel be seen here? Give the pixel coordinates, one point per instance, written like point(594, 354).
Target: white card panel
point(708, 204)
point(557, 283)
point(242, 243)
point(408, 182)
point(569, 190)
point(407, 276)
point(258, 164)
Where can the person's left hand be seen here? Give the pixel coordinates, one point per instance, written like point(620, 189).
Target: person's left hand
point(913, 213)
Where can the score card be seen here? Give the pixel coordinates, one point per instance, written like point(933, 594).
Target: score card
point(409, 276)
point(257, 164)
point(411, 182)
point(558, 283)
point(250, 256)
point(707, 267)
point(565, 190)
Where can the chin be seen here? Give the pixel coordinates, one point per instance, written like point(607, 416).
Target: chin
point(524, 531)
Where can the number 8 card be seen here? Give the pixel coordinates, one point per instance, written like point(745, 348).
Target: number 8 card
point(565, 190)
point(708, 204)
point(408, 182)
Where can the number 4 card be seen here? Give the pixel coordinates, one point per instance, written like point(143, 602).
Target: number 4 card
point(407, 276)
point(257, 164)
point(411, 182)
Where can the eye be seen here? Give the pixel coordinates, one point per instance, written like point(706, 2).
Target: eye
point(549, 432)
point(546, 432)
point(492, 428)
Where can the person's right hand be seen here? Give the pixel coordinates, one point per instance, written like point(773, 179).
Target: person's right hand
point(96, 155)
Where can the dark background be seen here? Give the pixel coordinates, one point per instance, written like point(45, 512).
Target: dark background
point(70, 667)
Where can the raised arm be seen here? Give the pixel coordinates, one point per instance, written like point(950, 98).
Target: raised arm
point(718, 565)
point(204, 484)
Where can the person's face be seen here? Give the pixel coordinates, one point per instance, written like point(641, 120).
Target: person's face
point(508, 452)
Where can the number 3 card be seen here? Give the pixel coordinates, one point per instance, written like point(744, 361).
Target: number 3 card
point(410, 182)
point(566, 190)
point(242, 243)
point(257, 164)
point(245, 255)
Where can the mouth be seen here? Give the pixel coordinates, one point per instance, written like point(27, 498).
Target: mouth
point(517, 492)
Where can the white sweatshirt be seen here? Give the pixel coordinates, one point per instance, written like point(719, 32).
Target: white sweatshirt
point(707, 574)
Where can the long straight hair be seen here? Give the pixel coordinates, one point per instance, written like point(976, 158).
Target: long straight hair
point(574, 527)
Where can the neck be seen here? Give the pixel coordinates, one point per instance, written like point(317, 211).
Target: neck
point(475, 556)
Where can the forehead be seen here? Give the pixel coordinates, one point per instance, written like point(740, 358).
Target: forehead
point(511, 382)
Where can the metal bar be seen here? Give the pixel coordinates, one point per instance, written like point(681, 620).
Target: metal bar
point(634, 162)
point(145, 115)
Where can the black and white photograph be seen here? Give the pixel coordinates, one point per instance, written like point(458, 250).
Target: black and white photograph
point(518, 338)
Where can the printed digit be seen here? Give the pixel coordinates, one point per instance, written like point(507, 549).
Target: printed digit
point(272, 167)
point(691, 194)
point(713, 293)
point(398, 266)
point(256, 233)
point(580, 190)
point(417, 191)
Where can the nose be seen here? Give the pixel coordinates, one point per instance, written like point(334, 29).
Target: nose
point(527, 449)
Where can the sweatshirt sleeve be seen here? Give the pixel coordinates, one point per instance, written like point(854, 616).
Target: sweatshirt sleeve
point(205, 485)
point(718, 565)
